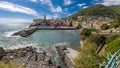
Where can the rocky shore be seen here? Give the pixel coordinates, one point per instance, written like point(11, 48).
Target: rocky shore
point(30, 57)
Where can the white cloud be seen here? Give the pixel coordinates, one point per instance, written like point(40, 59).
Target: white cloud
point(55, 16)
point(85, 7)
point(57, 9)
point(111, 2)
point(14, 20)
point(52, 7)
point(8, 6)
point(33, 1)
point(80, 5)
point(67, 2)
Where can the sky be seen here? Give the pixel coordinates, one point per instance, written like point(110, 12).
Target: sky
point(27, 10)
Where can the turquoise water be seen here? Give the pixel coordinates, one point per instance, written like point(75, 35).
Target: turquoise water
point(46, 39)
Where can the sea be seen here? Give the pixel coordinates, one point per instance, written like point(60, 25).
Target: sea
point(46, 39)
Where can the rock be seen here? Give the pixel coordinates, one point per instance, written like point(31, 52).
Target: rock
point(29, 57)
point(2, 52)
point(67, 55)
point(26, 32)
point(61, 47)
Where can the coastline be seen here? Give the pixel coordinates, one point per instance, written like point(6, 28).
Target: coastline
point(29, 57)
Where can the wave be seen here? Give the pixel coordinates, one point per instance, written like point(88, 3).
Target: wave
point(51, 50)
point(9, 34)
point(17, 46)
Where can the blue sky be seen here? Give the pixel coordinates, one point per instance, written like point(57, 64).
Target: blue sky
point(30, 9)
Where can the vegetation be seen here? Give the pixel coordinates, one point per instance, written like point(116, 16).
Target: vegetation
point(113, 43)
point(112, 38)
point(87, 57)
point(97, 39)
point(104, 26)
point(113, 46)
point(97, 10)
point(10, 65)
point(118, 20)
point(113, 25)
point(116, 9)
point(85, 33)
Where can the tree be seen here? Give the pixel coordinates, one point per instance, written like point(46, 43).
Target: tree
point(104, 27)
point(118, 20)
point(97, 39)
point(85, 33)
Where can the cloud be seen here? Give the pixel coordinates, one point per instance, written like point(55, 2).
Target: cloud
point(67, 2)
point(110, 2)
point(57, 9)
point(33, 1)
point(8, 6)
point(80, 5)
point(14, 20)
point(85, 7)
point(52, 7)
point(107, 2)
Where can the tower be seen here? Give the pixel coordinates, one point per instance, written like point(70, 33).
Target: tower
point(44, 18)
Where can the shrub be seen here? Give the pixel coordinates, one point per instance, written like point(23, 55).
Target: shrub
point(104, 27)
point(97, 39)
point(85, 33)
point(111, 38)
point(87, 57)
point(10, 65)
point(113, 25)
point(113, 46)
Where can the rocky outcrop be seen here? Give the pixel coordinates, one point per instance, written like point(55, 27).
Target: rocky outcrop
point(1, 52)
point(26, 32)
point(67, 55)
point(29, 57)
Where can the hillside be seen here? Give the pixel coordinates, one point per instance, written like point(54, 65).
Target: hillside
point(116, 9)
point(97, 10)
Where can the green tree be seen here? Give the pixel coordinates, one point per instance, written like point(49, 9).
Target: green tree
point(118, 20)
point(85, 33)
point(104, 27)
point(97, 39)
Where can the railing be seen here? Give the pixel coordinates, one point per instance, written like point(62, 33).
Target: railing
point(114, 62)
